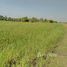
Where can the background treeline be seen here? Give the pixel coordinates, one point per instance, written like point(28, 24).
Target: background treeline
point(26, 19)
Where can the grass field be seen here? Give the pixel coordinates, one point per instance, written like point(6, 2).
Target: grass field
point(27, 44)
point(61, 51)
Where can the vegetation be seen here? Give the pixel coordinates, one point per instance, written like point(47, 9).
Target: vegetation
point(27, 44)
point(26, 19)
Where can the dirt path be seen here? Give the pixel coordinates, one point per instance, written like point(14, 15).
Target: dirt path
point(61, 59)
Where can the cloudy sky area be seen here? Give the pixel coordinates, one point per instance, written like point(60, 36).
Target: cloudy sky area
point(51, 9)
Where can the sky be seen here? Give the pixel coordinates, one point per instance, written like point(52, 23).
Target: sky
point(50, 9)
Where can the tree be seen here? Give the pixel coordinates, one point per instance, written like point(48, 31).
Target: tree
point(51, 21)
point(5, 18)
point(25, 19)
point(41, 20)
point(9, 19)
point(1, 17)
point(34, 19)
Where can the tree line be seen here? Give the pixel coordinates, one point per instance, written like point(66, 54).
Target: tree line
point(26, 19)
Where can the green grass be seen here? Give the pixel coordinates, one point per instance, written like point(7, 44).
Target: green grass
point(61, 51)
point(26, 44)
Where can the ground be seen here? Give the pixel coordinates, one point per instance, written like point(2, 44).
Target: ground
point(61, 51)
point(33, 44)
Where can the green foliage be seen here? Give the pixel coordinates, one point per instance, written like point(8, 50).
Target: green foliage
point(26, 19)
point(1, 17)
point(34, 19)
point(25, 44)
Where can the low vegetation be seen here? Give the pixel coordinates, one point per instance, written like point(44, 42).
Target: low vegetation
point(27, 44)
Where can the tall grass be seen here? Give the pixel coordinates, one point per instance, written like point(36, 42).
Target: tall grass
point(22, 44)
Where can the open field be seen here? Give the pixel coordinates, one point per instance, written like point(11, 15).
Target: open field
point(61, 51)
point(27, 44)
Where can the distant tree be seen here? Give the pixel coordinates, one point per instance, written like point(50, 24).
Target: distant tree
point(9, 19)
point(5, 18)
point(41, 20)
point(25, 19)
point(46, 20)
point(34, 19)
point(17, 19)
point(51, 21)
point(1, 17)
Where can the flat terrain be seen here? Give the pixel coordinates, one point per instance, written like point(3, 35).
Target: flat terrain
point(28, 44)
point(61, 59)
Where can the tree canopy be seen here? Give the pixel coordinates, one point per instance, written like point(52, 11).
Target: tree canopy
point(26, 19)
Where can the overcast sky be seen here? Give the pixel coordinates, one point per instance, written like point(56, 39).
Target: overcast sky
point(51, 9)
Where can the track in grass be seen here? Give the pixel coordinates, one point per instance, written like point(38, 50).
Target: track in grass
point(61, 59)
